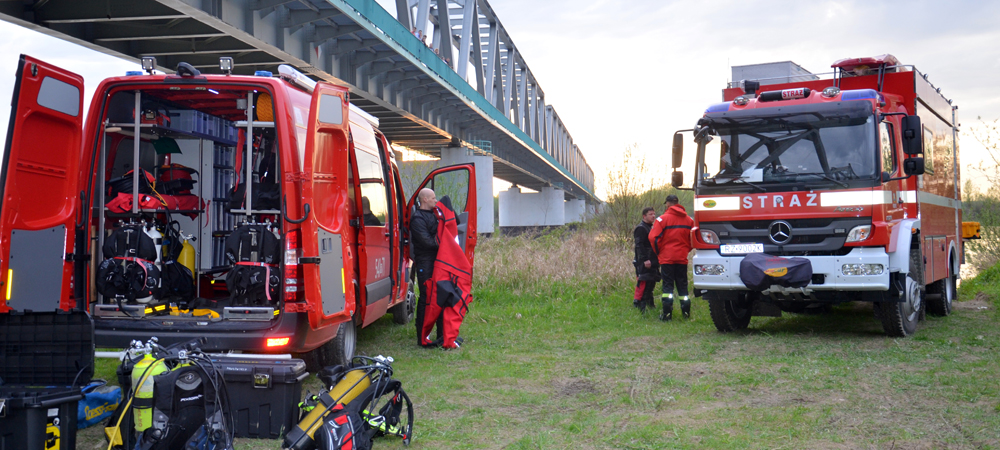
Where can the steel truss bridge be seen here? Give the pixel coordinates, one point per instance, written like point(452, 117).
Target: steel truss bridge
point(464, 84)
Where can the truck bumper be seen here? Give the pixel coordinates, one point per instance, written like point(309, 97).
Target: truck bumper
point(828, 266)
point(232, 335)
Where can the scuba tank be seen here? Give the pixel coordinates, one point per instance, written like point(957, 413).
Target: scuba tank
point(142, 406)
point(302, 435)
point(186, 257)
point(157, 238)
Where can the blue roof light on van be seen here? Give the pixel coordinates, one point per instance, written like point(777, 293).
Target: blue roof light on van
point(718, 107)
point(861, 94)
point(133, 73)
point(263, 73)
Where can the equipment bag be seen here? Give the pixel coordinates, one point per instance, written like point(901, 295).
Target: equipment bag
point(343, 429)
point(759, 271)
point(98, 403)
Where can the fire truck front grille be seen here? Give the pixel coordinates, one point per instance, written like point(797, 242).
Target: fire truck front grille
point(824, 236)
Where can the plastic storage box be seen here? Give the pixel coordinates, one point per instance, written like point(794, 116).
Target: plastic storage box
point(263, 393)
point(38, 418)
point(46, 349)
point(53, 349)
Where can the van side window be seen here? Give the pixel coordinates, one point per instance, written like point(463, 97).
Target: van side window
point(888, 150)
point(454, 184)
point(374, 207)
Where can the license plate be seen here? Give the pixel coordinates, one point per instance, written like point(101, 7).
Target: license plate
point(741, 249)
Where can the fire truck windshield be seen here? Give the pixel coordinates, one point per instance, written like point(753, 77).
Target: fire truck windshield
point(808, 147)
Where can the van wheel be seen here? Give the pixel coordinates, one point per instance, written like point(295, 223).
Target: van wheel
point(340, 349)
point(403, 312)
point(941, 293)
point(899, 319)
point(730, 311)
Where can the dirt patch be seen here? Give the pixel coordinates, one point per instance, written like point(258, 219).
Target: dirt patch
point(980, 303)
point(574, 386)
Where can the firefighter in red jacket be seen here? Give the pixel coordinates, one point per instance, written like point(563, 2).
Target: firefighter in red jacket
point(671, 240)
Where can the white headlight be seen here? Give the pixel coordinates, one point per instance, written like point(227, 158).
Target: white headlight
point(709, 269)
point(859, 233)
point(709, 237)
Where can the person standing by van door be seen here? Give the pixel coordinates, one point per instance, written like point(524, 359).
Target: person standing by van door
point(647, 267)
point(671, 240)
point(423, 232)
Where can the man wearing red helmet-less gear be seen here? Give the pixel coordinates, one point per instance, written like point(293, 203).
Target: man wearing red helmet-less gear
point(671, 240)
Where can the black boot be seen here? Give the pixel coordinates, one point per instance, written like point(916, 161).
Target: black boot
point(686, 308)
point(640, 305)
point(668, 310)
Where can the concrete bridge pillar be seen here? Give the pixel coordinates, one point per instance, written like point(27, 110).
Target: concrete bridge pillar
point(484, 182)
point(576, 210)
point(540, 209)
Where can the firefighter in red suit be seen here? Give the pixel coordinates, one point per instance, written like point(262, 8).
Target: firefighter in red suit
point(671, 240)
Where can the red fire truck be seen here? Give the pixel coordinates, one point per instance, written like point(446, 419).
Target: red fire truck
point(823, 191)
point(287, 197)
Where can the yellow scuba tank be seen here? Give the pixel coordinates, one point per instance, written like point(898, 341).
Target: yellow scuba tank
point(186, 258)
point(348, 388)
point(142, 406)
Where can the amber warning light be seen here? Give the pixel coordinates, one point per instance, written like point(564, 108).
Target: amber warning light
point(277, 342)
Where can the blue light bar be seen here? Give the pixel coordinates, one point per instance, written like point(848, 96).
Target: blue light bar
point(861, 94)
point(133, 73)
point(718, 107)
point(262, 73)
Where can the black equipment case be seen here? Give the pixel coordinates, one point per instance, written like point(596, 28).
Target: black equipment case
point(263, 393)
point(54, 349)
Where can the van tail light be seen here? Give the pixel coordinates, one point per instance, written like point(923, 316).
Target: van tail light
point(294, 280)
point(277, 342)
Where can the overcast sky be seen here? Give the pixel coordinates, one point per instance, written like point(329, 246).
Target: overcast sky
point(623, 73)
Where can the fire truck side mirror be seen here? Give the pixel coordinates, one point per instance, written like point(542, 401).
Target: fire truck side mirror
point(886, 177)
point(913, 166)
point(677, 179)
point(913, 144)
point(678, 150)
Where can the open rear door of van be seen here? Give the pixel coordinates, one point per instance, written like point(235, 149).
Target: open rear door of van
point(327, 236)
point(458, 182)
point(40, 198)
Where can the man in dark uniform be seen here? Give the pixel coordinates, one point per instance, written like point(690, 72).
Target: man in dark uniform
point(647, 268)
point(423, 232)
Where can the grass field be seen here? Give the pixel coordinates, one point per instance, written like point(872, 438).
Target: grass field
point(564, 361)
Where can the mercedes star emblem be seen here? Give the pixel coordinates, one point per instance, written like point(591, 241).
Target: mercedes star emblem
point(780, 232)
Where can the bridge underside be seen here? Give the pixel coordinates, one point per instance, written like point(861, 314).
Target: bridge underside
point(391, 74)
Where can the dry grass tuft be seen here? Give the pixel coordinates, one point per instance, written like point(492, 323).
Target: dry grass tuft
point(584, 258)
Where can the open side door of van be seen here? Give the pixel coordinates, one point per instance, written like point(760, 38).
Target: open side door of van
point(458, 182)
point(39, 179)
point(327, 237)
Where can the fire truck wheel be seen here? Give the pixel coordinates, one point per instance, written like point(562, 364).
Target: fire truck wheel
point(340, 349)
point(730, 311)
point(899, 319)
point(403, 312)
point(941, 293)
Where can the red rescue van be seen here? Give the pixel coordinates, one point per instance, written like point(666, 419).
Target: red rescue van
point(264, 213)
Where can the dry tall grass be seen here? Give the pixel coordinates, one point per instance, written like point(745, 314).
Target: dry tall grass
point(583, 258)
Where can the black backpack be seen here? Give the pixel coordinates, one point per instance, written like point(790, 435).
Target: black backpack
point(128, 272)
point(178, 281)
point(253, 250)
point(129, 241)
point(185, 404)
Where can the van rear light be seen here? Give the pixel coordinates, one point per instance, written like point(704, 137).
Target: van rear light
point(277, 342)
point(294, 289)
